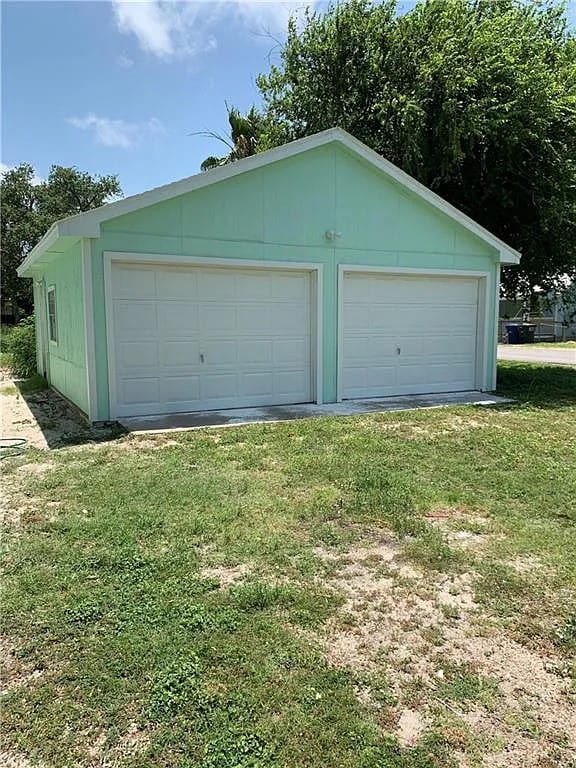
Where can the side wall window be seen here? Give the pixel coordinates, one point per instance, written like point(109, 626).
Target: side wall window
point(52, 319)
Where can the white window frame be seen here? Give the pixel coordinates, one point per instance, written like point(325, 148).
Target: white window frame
point(53, 339)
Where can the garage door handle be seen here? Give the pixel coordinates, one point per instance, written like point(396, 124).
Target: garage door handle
point(398, 350)
point(201, 358)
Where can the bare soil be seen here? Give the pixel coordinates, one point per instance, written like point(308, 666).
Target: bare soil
point(413, 624)
point(43, 418)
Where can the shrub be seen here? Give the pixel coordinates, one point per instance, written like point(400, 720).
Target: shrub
point(20, 344)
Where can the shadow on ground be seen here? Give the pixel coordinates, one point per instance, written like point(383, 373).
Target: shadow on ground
point(545, 386)
point(49, 418)
point(32, 411)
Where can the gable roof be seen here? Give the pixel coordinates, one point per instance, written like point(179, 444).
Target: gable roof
point(88, 224)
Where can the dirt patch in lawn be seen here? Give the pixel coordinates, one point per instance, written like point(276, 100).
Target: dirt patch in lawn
point(14, 760)
point(227, 574)
point(132, 743)
point(438, 650)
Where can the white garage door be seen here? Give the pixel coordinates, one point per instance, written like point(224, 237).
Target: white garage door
point(407, 335)
point(188, 338)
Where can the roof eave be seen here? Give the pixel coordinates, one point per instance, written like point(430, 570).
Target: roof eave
point(508, 256)
point(24, 270)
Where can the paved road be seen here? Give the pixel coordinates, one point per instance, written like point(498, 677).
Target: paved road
point(529, 354)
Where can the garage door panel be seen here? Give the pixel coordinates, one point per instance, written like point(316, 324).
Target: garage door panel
point(174, 283)
point(257, 383)
point(358, 348)
point(407, 335)
point(177, 318)
point(210, 338)
point(289, 317)
point(179, 353)
point(436, 345)
point(291, 384)
point(255, 351)
point(358, 316)
point(135, 319)
point(180, 389)
point(214, 386)
point(138, 354)
point(290, 287)
point(216, 284)
point(255, 318)
point(216, 318)
point(362, 381)
point(221, 352)
point(140, 390)
point(254, 287)
point(131, 283)
point(290, 351)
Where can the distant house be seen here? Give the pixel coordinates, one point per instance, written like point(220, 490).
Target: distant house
point(315, 272)
point(554, 316)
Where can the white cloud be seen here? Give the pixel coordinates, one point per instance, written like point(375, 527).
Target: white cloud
point(166, 29)
point(4, 168)
point(117, 133)
point(176, 28)
point(125, 62)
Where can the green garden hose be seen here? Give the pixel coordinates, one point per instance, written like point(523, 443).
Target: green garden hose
point(12, 446)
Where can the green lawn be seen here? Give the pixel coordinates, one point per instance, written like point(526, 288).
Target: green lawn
point(289, 595)
point(555, 344)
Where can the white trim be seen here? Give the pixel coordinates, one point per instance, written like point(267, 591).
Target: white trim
point(444, 272)
point(89, 330)
point(482, 335)
point(109, 321)
point(316, 269)
point(493, 378)
point(481, 378)
point(43, 245)
point(42, 355)
point(53, 342)
point(210, 261)
point(88, 224)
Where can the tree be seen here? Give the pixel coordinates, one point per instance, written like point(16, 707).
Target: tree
point(28, 210)
point(242, 140)
point(474, 98)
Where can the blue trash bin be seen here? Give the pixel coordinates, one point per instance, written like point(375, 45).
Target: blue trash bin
point(513, 332)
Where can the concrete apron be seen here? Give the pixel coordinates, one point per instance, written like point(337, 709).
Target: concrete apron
point(237, 416)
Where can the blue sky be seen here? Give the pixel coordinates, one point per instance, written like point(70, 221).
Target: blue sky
point(117, 87)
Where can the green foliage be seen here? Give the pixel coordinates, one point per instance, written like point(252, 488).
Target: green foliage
point(566, 634)
point(29, 208)
point(460, 682)
point(20, 344)
point(474, 98)
point(241, 750)
point(174, 687)
point(258, 596)
point(242, 141)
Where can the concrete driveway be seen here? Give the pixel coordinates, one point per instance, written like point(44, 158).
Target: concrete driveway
point(237, 416)
point(529, 354)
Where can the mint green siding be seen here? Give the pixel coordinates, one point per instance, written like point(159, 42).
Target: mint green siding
point(67, 359)
point(279, 212)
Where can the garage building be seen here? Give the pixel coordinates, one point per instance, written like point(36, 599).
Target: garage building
point(314, 272)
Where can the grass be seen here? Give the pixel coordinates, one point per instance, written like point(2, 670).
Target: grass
point(126, 649)
point(25, 387)
point(555, 344)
